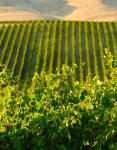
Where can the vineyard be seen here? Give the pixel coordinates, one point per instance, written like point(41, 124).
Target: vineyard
point(35, 46)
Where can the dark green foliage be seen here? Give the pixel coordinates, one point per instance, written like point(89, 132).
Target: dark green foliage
point(59, 113)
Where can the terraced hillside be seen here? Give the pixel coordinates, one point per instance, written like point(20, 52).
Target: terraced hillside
point(33, 46)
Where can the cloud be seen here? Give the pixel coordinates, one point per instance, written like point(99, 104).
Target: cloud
point(45, 7)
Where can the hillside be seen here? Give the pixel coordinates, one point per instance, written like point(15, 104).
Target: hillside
point(35, 46)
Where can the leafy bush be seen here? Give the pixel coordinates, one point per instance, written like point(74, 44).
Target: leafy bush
point(59, 113)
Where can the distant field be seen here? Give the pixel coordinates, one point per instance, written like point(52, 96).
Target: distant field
point(33, 46)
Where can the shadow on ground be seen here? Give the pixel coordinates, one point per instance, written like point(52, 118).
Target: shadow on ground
point(110, 3)
point(47, 8)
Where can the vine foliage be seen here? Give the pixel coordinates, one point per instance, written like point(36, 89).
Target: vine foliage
point(59, 113)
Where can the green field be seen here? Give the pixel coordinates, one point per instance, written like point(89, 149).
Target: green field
point(33, 46)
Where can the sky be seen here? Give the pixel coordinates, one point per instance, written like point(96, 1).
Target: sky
point(76, 9)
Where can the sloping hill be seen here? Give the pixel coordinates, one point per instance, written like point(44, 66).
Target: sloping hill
point(33, 46)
